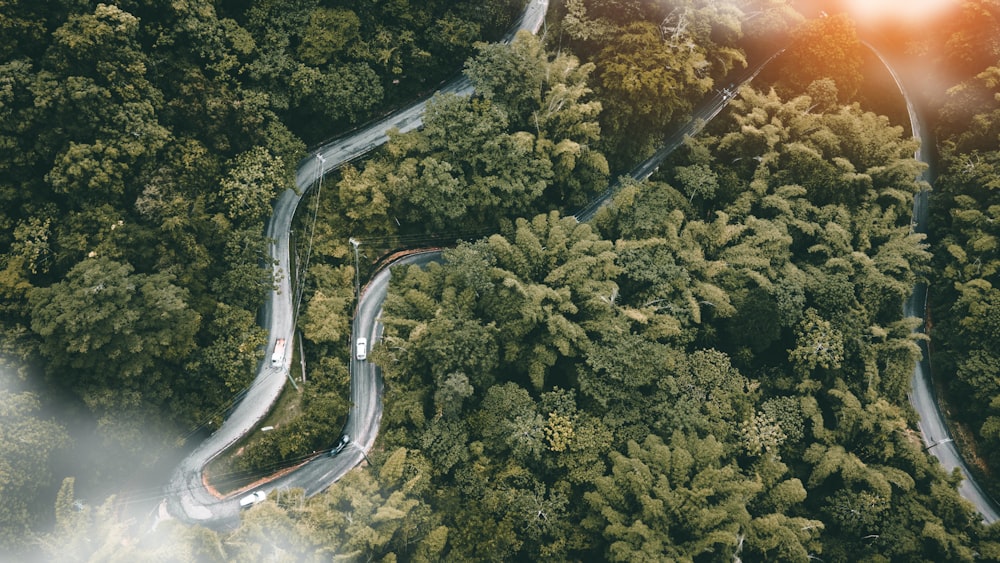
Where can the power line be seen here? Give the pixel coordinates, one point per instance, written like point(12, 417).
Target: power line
point(300, 282)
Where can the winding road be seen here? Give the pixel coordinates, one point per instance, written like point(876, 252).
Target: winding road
point(187, 497)
point(189, 500)
point(933, 429)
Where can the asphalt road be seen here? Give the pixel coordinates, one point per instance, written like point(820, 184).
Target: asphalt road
point(188, 499)
point(937, 440)
point(366, 390)
point(186, 496)
point(704, 113)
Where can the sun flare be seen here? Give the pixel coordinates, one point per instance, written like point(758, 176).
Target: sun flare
point(910, 11)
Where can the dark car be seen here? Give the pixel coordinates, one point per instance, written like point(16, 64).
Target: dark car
point(344, 440)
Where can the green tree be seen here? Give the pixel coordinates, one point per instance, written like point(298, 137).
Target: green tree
point(550, 290)
point(28, 443)
point(652, 70)
point(564, 116)
point(673, 500)
point(362, 516)
point(253, 180)
point(111, 329)
point(475, 169)
point(515, 148)
point(326, 319)
point(648, 84)
point(512, 75)
point(824, 48)
point(341, 93)
point(330, 32)
point(818, 345)
point(99, 87)
point(510, 423)
point(237, 344)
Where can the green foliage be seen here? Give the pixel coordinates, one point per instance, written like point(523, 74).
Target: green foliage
point(682, 499)
point(818, 345)
point(141, 148)
point(792, 267)
point(967, 256)
point(520, 146)
point(318, 64)
point(236, 348)
point(549, 280)
point(823, 48)
point(800, 254)
point(330, 32)
point(112, 329)
point(512, 75)
point(654, 62)
point(250, 185)
point(715, 369)
point(326, 319)
point(28, 442)
point(125, 256)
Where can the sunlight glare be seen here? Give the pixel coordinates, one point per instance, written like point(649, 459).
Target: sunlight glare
point(880, 11)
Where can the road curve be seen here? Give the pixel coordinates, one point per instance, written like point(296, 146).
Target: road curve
point(186, 496)
point(931, 424)
point(189, 500)
point(366, 390)
point(933, 428)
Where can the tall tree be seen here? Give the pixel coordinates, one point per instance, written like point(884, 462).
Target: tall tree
point(681, 500)
point(824, 48)
point(28, 442)
point(107, 331)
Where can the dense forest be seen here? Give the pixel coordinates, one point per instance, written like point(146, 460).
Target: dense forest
point(142, 144)
point(965, 292)
point(714, 368)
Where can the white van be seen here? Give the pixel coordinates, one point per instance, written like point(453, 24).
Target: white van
point(361, 348)
point(278, 357)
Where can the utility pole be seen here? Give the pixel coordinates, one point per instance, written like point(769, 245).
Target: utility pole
point(302, 357)
point(364, 455)
point(357, 268)
point(938, 443)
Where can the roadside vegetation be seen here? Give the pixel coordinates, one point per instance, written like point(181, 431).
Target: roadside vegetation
point(714, 367)
point(142, 144)
point(965, 223)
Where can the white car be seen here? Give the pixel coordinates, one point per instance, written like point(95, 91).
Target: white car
point(361, 348)
point(253, 498)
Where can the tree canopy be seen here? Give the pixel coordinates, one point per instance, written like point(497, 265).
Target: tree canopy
point(964, 209)
point(141, 147)
point(706, 372)
point(714, 368)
